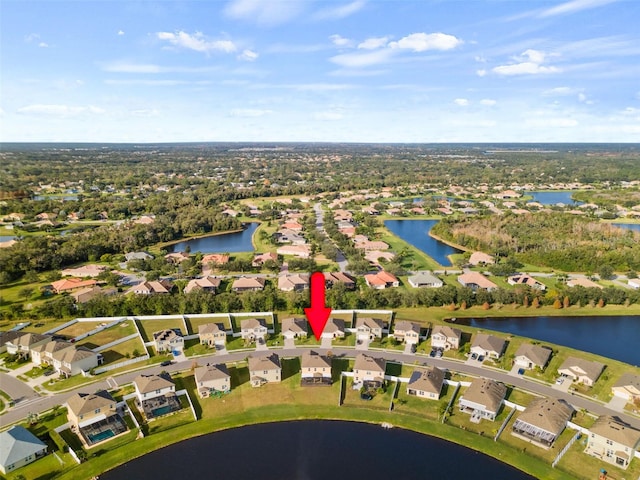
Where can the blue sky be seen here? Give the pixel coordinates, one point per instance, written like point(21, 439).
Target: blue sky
point(320, 70)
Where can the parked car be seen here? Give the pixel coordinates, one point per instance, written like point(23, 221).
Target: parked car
point(474, 356)
point(481, 358)
point(166, 363)
point(48, 372)
point(559, 381)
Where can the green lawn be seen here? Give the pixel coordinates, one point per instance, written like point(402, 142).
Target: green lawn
point(109, 335)
point(193, 323)
point(147, 327)
point(78, 328)
point(123, 351)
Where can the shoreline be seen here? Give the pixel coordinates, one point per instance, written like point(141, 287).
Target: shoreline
point(206, 235)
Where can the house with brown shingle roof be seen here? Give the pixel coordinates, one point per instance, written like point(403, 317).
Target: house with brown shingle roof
point(295, 282)
point(426, 383)
point(176, 257)
point(253, 329)
point(483, 399)
point(264, 369)
point(627, 387)
point(613, 441)
point(153, 386)
point(445, 337)
point(84, 409)
point(476, 281)
point(294, 327)
point(543, 421)
point(580, 370)
point(212, 335)
point(260, 258)
point(84, 271)
point(315, 369)
point(152, 287)
point(524, 279)
point(206, 284)
point(332, 278)
point(211, 379)
point(529, 356)
point(368, 370)
point(248, 284)
point(23, 344)
point(301, 251)
point(69, 362)
point(488, 345)
point(367, 327)
point(43, 354)
point(335, 328)
point(407, 332)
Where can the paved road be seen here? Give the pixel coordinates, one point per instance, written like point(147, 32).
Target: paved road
point(16, 389)
point(39, 404)
point(340, 258)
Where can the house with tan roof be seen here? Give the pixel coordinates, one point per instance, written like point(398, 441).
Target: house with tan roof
point(212, 379)
point(445, 337)
point(369, 371)
point(156, 395)
point(213, 260)
point(264, 369)
point(580, 370)
point(367, 327)
point(543, 421)
point(253, 329)
point(70, 284)
point(42, 354)
point(294, 327)
point(481, 258)
point(23, 344)
point(7, 337)
point(370, 245)
point(91, 414)
point(627, 387)
point(295, 282)
point(206, 284)
point(476, 281)
point(212, 335)
point(335, 328)
point(168, 340)
point(301, 251)
point(248, 284)
point(260, 258)
point(315, 369)
point(289, 236)
point(381, 280)
point(528, 280)
point(483, 399)
point(87, 294)
point(70, 362)
point(152, 287)
point(333, 278)
point(407, 332)
point(488, 345)
point(426, 383)
point(84, 271)
point(530, 356)
point(583, 282)
point(176, 257)
point(425, 279)
point(613, 441)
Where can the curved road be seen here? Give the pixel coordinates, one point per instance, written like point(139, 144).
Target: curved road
point(340, 258)
point(39, 404)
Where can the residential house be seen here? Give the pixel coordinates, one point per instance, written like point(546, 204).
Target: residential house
point(94, 417)
point(580, 370)
point(248, 284)
point(530, 356)
point(367, 327)
point(634, 283)
point(137, 256)
point(84, 271)
point(301, 251)
point(289, 236)
point(212, 379)
point(294, 328)
point(333, 278)
point(264, 369)
point(613, 441)
point(25, 342)
point(488, 345)
point(370, 245)
point(19, 447)
point(212, 334)
point(381, 280)
point(627, 387)
point(168, 340)
point(85, 295)
point(315, 368)
point(425, 279)
point(369, 371)
point(407, 332)
point(215, 259)
point(483, 399)
point(260, 258)
point(445, 337)
point(7, 337)
point(583, 282)
point(480, 258)
point(543, 421)
point(70, 284)
point(294, 282)
point(253, 330)
point(207, 284)
point(295, 226)
point(152, 287)
point(70, 362)
point(524, 279)
point(426, 383)
point(334, 328)
point(42, 354)
point(156, 395)
point(475, 281)
point(176, 257)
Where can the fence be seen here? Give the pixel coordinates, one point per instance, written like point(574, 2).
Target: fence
point(115, 342)
point(564, 450)
point(504, 424)
point(121, 364)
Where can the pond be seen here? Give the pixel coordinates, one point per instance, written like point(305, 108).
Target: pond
point(310, 450)
point(6, 238)
point(628, 226)
point(416, 233)
point(553, 198)
point(614, 337)
point(227, 242)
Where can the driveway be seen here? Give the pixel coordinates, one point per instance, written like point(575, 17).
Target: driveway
point(325, 342)
point(16, 389)
point(617, 403)
point(289, 343)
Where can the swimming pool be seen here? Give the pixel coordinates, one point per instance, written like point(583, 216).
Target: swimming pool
point(161, 410)
point(98, 437)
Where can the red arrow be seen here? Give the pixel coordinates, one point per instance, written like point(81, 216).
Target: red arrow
point(318, 314)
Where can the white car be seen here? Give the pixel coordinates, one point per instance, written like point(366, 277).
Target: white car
point(559, 381)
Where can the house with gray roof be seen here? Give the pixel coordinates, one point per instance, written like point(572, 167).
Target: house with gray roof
point(94, 417)
point(543, 421)
point(407, 332)
point(315, 369)
point(253, 329)
point(294, 327)
point(445, 337)
point(367, 327)
point(483, 399)
point(369, 370)
point(212, 379)
point(529, 356)
point(264, 369)
point(23, 344)
point(581, 371)
point(627, 387)
point(425, 279)
point(488, 345)
point(8, 336)
point(426, 383)
point(335, 328)
point(613, 441)
point(168, 340)
point(19, 447)
point(212, 334)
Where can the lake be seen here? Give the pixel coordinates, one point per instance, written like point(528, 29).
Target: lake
point(552, 198)
point(310, 450)
point(614, 337)
point(416, 233)
point(629, 226)
point(5, 238)
point(228, 242)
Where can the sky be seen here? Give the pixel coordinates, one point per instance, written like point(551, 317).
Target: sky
point(320, 71)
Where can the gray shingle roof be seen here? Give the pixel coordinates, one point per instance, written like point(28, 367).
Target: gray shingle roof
point(487, 392)
point(18, 443)
point(548, 414)
point(537, 354)
point(211, 372)
point(428, 380)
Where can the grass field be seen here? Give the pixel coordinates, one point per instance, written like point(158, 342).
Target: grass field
point(147, 327)
point(193, 323)
point(109, 335)
point(123, 351)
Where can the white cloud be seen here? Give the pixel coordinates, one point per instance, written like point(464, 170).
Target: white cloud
point(248, 112)
point(120, 32)
point(58, 110)
point(358, 60)
point(32, 37)
point(528, 63)
point(342, 11)
point(197, 42)
point(145, 113)
point(533, 56)
point(340, 41)
point(573, 6)
point(328, 116)
point(420, 42)
point(248, 56)
point(43, 45)
point(489, 102)
point(559, 92)
point(373, 43)
point(462, 102)
point(265, 12)
point(481, 73)
point(118, 67)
